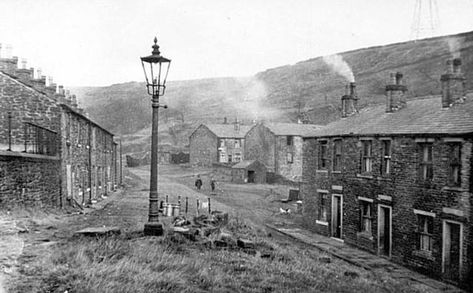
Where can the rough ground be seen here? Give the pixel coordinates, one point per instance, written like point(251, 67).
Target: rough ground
point(27, 235)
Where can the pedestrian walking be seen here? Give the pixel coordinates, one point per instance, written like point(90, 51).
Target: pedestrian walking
point(198, 182)
point(212, 185)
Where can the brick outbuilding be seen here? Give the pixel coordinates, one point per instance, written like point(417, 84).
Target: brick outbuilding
point(250, 171)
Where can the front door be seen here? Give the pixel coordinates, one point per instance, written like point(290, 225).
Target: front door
point(337, 214)
point(251, 176)
point(451, 250)
point(384, 230)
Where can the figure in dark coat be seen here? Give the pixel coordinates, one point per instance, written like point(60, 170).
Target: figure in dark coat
point(212, 185)
point(198, 182)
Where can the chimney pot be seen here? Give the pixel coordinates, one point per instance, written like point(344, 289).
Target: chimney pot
point(399, 78)
point(449, 66)
point(457, 62)
point(392, 75)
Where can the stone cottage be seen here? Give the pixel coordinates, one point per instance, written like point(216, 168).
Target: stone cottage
point(47, 155)
point(279, 147)
point(396, 179)
point(218, 143)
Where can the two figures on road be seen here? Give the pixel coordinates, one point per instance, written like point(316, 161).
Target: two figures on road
point(198, 183)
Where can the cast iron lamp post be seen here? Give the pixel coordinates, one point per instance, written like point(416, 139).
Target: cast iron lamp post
point(156, 69)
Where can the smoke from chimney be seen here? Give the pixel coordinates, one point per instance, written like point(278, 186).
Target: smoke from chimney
point(340, 66)
point(454, 46)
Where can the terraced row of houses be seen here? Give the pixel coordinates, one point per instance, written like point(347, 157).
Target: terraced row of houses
point(51, 153)
point(394, 179)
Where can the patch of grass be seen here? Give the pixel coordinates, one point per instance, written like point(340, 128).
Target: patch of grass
point(133, 263)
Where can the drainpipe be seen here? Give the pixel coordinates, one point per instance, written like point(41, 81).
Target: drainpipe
point(90, 162)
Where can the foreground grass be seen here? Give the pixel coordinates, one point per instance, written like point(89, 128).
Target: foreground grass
point(132, 263)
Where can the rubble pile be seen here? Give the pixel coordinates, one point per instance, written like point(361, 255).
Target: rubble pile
point(209, 231)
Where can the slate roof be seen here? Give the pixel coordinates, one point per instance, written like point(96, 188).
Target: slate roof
point(228, 130)
point(295, 129)
point(421, 116)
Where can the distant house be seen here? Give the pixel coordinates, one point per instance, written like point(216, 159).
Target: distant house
point(217, 143)
point(396, 179)
point(250, 171)
point(278, 146)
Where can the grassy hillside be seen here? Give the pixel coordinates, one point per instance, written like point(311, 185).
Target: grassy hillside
point(278, 94)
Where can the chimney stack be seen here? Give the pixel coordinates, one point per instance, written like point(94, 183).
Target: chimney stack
point(237, 125)
point(59, 96)
point(24, 74)
point(349, 100)
point(224, 120)
point(453, 84)
point(395, 93)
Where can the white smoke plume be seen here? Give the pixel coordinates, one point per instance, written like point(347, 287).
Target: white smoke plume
point(454, 46)
point(340, 66)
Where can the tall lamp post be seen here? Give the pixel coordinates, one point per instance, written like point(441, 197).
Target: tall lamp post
point(156, 69)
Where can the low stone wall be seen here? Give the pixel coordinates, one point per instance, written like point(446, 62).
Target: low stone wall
point(29, 180)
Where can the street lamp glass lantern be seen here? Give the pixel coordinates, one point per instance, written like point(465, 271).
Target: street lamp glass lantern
point(156, 68)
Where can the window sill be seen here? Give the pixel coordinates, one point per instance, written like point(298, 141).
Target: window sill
point(364, 235)
point(336, 172)
point(453, 188)
point(423, 254)
point(323, 171)
point(365, 176)
point(324, 223)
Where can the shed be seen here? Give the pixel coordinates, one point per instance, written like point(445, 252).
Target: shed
point(250, 171)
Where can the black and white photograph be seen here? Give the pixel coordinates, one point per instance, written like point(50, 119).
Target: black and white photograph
point(236, 146)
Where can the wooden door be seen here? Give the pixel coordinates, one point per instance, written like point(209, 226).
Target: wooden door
point(337, 213)
point(384, 231)
point(452, 251)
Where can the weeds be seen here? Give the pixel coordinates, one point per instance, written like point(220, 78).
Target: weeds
point(133, 263)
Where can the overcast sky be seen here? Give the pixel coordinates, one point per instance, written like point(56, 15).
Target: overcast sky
point(99, 42)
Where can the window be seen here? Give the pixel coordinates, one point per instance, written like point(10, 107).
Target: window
point(366, 159)
point(455, 164)
point(425, 229)
point(222, 143)
point(337, 155)
point(229, 158)
point(290, 158)
point(322, 207)
point(289, 139)
point(386, 167)
point(426, 168)
point(237, 157)
point(323, 155)
point(365, 216)
point(223, 157)
point(237, 143)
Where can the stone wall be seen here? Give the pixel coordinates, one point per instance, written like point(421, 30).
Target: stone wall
point(292, 170)
point(203, 147)
point(26, 104)
point(89, 160)
point(29, 180)
point(260, 145)
point(402, 191)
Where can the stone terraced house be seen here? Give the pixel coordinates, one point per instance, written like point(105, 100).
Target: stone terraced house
point(279, 147)
point(218, 143)
point(396, 179)
point(50, 152)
